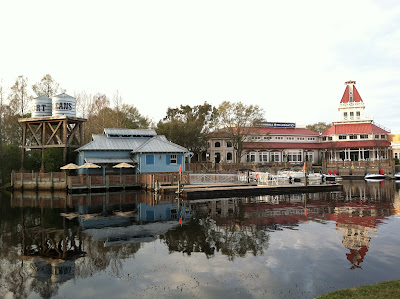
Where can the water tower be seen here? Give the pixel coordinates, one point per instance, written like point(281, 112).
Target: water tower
point(53, 125)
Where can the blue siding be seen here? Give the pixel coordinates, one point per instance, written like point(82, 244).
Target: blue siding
point(162, 161)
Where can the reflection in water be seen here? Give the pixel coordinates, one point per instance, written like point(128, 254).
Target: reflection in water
point(48, 239)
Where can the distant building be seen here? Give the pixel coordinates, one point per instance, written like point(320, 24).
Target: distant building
point(394, 140)
point(278, 142)
point(143, 148)
point(353, 137)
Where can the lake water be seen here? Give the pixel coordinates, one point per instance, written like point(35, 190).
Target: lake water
point(130, 244)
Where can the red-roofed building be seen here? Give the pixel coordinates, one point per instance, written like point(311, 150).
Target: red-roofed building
point(353, 137)
point(279, 142)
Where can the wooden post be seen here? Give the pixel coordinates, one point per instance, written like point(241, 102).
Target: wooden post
point(23, 145)
point(37, 181)
point(52, 182)
point(22, 181)
point(64, 139)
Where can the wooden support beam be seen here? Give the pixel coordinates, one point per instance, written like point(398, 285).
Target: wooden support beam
point(54, 136)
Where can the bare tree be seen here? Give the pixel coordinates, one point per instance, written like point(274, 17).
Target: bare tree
point(117, 100)
point(237, 120)
point(47, 86)
point(19, 98)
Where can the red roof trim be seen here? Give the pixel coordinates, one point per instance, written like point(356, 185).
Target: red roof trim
point(281, 145)
point(354, 129)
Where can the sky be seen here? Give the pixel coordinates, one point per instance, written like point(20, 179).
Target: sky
point(289, 57)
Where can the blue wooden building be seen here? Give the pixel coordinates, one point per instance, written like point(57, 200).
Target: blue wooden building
point(143, 148)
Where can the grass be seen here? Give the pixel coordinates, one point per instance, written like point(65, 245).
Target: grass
point(388, 289)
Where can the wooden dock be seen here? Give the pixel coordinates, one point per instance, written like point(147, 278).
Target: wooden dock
point(223, 191)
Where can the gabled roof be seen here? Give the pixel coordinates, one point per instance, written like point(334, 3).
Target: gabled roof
point(101, 142)
point(346, 96)
point(354, 128)
point(129, 133)
point(159, 144)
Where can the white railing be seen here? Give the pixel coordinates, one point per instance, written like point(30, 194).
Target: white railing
point(208, 178)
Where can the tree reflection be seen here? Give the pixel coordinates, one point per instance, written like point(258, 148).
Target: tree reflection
point(204, 235)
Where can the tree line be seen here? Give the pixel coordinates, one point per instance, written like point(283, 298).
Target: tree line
point(188, 126)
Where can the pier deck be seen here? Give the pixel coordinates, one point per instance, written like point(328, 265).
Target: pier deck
point(221, 191)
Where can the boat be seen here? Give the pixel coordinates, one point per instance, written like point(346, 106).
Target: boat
point(375, 176)
point(397, 176)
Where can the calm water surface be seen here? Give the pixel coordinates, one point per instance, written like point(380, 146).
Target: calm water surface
point(127, 245)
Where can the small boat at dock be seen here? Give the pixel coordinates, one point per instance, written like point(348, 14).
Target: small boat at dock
point(375, 176)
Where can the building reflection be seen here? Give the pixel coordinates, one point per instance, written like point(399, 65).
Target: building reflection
point(55, 230)
point(55, 237)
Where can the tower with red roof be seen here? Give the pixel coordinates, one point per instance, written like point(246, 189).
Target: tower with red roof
point(355, 136)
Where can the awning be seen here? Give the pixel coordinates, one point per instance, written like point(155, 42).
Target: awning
point(113, 160)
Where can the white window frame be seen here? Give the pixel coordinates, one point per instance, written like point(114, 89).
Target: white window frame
point(172, 158)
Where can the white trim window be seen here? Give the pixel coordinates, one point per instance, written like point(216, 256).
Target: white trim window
point(173, 159)
point(294, 156)
point(275, 157)
point(309, 156)
point(263, 156)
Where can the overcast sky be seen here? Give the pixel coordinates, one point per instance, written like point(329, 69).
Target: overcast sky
point(289, 57)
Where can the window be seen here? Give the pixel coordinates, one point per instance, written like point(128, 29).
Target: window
point(290, 138)
point(279, 137)
point(173, 159)
point(396, 156)
point(345, 115)
point(275, 157)
point(251, 157)
point(268, 137)
point(358, 114)
point(217, 144)
point(376, 136)
point(300, 138)
point(342, 137)
point(229, 157)
point(330, 138)
point(324, 138)
point(310, 156)
point(228, 144)
point(351, 99)
point(294, 157)
point(383, 136)
point(364, 136)
point(311, 138)
point(353, 137)
point(351, 115)
point(149, 159)
point(263, 157)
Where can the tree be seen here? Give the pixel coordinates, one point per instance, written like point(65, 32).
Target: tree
point(47, 87)
point(19, 98)
point(237, 120)
point(188, 126)
point(319, 127)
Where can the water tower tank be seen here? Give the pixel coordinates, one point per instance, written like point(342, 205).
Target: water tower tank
point(41, 106)
point(64, 104)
